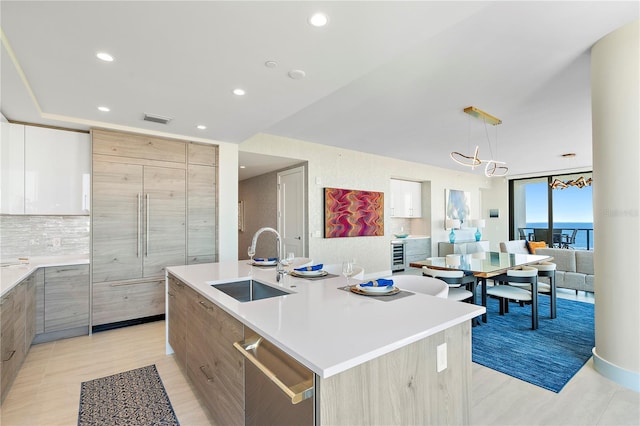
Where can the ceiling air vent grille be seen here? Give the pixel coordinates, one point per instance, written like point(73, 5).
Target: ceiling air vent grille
point(156, 118)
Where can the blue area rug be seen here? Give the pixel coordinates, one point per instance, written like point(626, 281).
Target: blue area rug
point(135, 397)
point(547, 357)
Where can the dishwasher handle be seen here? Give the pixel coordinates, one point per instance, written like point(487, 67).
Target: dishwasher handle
point(298, 392)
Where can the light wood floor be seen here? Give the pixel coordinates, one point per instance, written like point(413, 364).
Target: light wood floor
point(47, 389)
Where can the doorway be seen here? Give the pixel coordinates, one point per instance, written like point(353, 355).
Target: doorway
point(292, 210)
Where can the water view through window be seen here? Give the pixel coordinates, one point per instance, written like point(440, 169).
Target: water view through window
point(570, 211)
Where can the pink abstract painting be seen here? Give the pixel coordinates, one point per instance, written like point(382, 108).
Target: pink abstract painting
point(353, 213)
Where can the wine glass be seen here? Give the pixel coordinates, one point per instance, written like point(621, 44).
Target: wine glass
point(251, 252)
point(288, 261)
point(347, 270)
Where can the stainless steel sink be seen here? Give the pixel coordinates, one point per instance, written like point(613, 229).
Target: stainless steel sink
point(249, 290)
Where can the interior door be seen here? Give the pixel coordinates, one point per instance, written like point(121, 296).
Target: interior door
point(116, 221)
point(164, 242)
point(291, 211)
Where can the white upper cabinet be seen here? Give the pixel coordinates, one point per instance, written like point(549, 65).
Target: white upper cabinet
point(406, 198)
point(12, 168)
point(57, 167)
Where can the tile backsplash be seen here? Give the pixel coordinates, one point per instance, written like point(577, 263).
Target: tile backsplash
point(27, 235)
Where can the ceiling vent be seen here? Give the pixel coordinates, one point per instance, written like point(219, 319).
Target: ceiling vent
point(156, 118)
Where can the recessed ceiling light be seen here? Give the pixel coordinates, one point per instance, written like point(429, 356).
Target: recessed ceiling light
point(297, 74)
point(104, 109)
point(104, 56)
point(271, 64)
point(318, 20)
point(243, 167)
point(239, 92)
point(201, 127)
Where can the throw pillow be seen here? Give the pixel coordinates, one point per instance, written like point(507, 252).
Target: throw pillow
point(533, 245)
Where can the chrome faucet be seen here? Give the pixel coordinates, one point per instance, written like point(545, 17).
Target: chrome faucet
point(254, 241)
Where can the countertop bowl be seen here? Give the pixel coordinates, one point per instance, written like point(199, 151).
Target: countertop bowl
point(401, 235)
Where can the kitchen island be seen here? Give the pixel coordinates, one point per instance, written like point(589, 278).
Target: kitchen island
point(373, 361)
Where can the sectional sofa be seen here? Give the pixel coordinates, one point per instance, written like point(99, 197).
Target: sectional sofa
point(574, 268)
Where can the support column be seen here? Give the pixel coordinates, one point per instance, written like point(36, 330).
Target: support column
point(615, 87)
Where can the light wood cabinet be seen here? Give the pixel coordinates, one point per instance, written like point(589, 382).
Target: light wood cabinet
point(66, 297)
point(38, 283)
point(17, 318)
point(201, 201)
point(180, 299)
point(406, 198)
point(151, 209)
point(213, 364)
point(125, 300)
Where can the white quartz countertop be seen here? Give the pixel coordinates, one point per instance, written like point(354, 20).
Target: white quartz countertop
point(12, 274)
point(327, 329)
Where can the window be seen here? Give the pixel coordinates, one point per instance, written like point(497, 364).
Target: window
point(567, 206)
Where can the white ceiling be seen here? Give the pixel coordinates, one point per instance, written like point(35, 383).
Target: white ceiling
point(389, 78)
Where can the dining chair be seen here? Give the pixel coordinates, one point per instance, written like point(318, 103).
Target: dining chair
point(568, 240)
point(548, 270)
point(540, 234)
point(507, 290)
point(422, 284)
point(456, 280)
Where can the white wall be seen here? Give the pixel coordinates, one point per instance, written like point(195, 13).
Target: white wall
point(341, 168)
point(615, 84)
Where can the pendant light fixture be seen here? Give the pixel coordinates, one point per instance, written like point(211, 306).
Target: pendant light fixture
point(493, 168)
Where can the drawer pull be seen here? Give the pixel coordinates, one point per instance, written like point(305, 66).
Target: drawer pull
point(209, 379)
point(133, 283)
point(10, 356)
point(297, 393)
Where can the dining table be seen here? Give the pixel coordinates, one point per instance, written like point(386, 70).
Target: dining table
point(491, 264)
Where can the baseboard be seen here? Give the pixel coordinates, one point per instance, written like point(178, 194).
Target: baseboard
point(127, 323)
point(62, 334)
point(626, 378)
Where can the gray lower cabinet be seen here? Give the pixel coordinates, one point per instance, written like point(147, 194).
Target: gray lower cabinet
point(17, 324)
point(417, 249)
point(61, 302)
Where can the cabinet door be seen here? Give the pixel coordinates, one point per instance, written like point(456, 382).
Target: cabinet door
point(201, 211)
point(414, 191)
point(179, 299)
point(38, 277)
point(57, 171)
point(116, 221)
point(146, 147)
point(165, 227)
point(398, 201)
point(126, 300)
point(12, 347)
point(30, 311)
point(12, 168)
point(66, 295)
point(203, 154)
point(213, 364)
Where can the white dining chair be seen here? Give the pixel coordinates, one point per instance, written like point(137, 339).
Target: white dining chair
point(421, 284)
point(455, 281)
point(509, 289)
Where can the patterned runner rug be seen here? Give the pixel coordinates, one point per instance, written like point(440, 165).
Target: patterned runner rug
point(135, 397)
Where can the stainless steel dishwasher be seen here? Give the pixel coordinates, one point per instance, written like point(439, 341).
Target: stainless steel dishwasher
point(278, 389)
